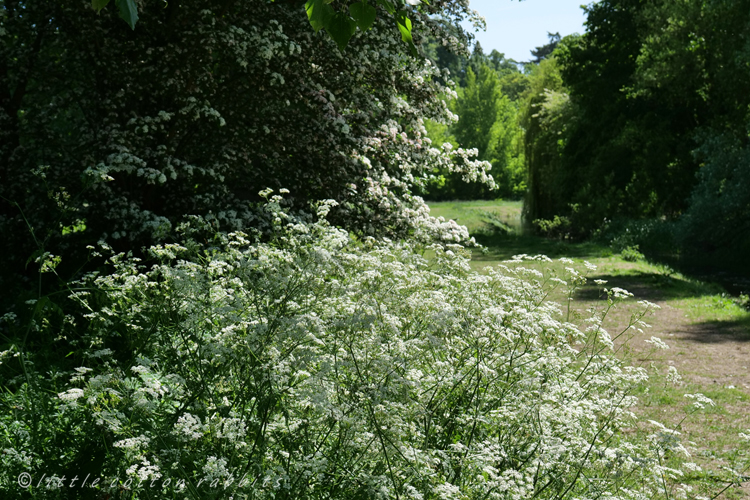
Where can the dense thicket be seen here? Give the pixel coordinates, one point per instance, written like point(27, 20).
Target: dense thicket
point(119, 134)
point(630, 153)
point(654, 88)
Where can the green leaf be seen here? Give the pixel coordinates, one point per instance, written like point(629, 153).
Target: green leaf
point(364, 14)
point(319, 13)
point(404, 26)
point(387, 6)
point(98, 5)
point(413, 49)
point(341, 29)
point(34, 256)
point(128, 12)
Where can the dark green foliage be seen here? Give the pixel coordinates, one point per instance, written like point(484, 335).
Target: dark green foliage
point(545, 117)
point(702, 61)
point(656, 123)
point(654, 236)
point(628, 154)
point(718, 219)
point(119, 134)
point(545, 51)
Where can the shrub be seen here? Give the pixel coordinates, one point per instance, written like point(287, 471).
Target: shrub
point(558, 227)
point(631, 254)
point(718, 218)
point(122, 134)
point(314, 366)
point(654, 235)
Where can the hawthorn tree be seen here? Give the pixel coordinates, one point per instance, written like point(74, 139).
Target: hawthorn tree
point(120, 134)
point(339, 23)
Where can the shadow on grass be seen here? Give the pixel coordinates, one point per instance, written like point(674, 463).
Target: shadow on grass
point(505, 246)
point(732, 275)
point(666, 284)
point(649, 286)
point(717, 332)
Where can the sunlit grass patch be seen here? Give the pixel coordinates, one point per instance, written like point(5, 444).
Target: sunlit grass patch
point(480, 216)
point(710, 434)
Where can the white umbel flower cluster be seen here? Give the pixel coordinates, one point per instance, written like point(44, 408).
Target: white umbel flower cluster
point(328, 365)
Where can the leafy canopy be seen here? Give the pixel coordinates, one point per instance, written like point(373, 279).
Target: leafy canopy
point(340, 24)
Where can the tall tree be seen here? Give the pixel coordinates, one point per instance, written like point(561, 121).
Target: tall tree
point(477, 109)
point(123, 135)
point(701, 60)
point(629, 154)
point(658, 93)
point(487, 122)
point(545, 116)
point(546, 50)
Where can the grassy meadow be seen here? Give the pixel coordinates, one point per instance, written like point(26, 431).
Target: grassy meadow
point(707, 331)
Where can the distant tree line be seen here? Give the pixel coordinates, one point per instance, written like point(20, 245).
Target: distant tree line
point(492, 92)
point(487, 103)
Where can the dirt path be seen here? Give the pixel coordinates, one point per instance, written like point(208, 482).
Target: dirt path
point(714, 353)
point(705, 351)
point(713, 358)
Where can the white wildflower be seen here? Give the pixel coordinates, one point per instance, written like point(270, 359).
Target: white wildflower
point(135, 443)
point(71, 395)
point(189, 426)
point(673, 376)
point(701, 401)
point(620, 293)
point(657, 342)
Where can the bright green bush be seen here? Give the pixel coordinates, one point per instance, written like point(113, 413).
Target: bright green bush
point(487, 121)
point(632, 254)
point(558, 227)
point(314, 366)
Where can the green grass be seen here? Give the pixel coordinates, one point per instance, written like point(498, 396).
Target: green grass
point(709, 434)
point(480, 216)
